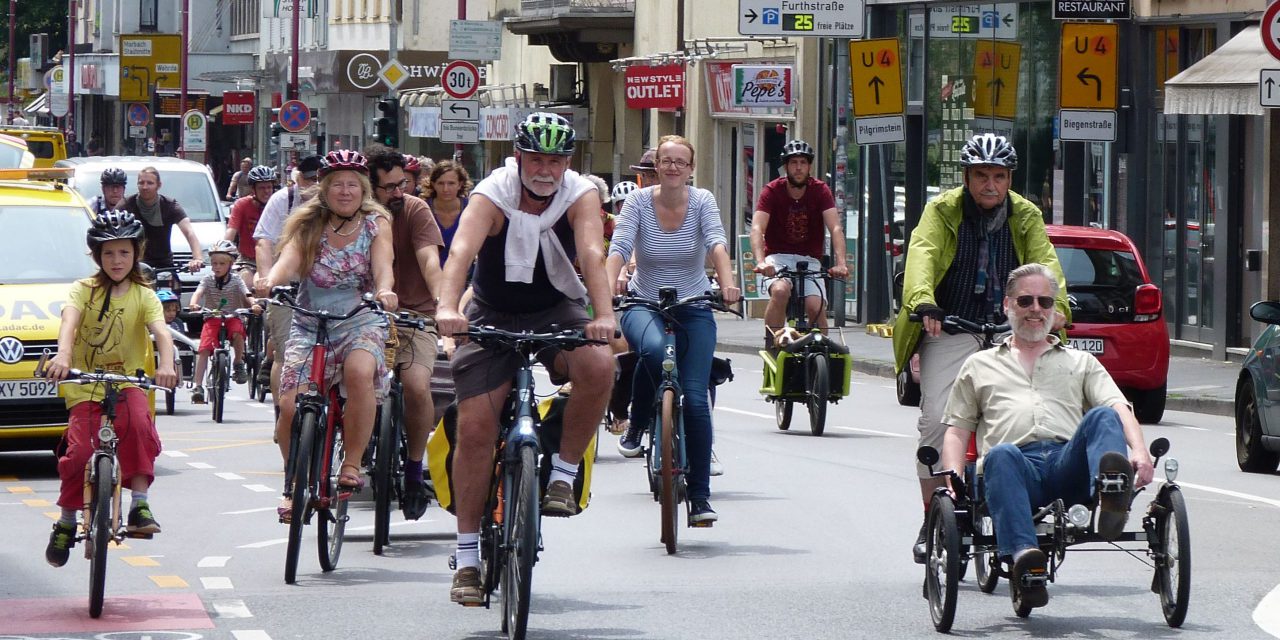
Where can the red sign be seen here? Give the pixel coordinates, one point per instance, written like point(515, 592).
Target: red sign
point(237, 107)
point(655, 87)
point(1271, 30)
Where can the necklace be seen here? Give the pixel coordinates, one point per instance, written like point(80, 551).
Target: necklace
point(343, 224)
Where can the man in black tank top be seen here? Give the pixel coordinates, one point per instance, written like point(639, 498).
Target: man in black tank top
point(524, 280)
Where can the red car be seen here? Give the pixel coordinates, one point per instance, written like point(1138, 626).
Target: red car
point(1117, 313)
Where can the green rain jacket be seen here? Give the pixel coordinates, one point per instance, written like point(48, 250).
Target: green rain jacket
point(933, 248)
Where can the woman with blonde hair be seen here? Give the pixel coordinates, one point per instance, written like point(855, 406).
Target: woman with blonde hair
point(339, 245)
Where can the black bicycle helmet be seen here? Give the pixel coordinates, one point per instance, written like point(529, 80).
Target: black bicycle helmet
point(114, 225)
point(114, 175)
point(989, 149)
point(796, 148)
point(262, 173)
point(545, 133)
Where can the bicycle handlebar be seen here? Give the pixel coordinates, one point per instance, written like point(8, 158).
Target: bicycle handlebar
point(76, 376)
point(567, 339)
point(955, 324)
point(284, 296)
point(407, 320)
point(788, 272)
point(622, 303)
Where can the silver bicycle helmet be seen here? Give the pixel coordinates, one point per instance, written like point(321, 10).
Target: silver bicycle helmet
point(989, 149)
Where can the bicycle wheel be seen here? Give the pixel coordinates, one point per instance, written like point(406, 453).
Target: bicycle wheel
point(99, 533)
point(1173, 562)
point(333, 519)
point(218, 387)
point(670, 498)
point(942, 563)
point(384, 451)
point(305, 420)
point(782, 411)
point(521, 522)
point(819, 390)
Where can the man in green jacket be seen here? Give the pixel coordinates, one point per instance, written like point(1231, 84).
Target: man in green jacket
point(960, 255)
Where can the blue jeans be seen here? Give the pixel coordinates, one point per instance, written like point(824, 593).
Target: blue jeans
point(695, 344)
point(1019, 479)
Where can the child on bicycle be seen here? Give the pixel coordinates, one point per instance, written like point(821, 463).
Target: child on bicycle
point(223, 291)
point(107, 324)
point(172, 305)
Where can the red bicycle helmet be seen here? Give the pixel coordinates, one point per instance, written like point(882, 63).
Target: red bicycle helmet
point(344, 160)
point(411, 165)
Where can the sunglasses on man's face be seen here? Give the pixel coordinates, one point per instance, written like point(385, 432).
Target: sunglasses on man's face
point(1045, 302)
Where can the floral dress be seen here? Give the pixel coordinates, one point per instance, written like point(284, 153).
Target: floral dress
point(336, 283)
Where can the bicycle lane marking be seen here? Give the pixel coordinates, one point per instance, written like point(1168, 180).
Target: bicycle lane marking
point(854, 429)
point(1267, 615)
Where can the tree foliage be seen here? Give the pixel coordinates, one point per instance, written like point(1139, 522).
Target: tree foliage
point(35, 16)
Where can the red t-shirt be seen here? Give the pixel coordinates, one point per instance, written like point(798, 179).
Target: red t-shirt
point(795, 226)
point(244, 219)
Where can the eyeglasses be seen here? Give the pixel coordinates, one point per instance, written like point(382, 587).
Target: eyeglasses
point(1045, 302)
point(679, 164)
point(402, 185)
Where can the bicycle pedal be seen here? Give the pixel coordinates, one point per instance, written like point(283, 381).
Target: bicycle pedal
point(139, 536)
point(701, 525)
point(1112, 482)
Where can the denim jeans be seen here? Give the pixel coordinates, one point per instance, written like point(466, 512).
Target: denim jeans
point(1019, 479)
point(695, 344)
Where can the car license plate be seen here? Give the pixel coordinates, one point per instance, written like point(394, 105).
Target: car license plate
point(1089, 345)
point(27, 389)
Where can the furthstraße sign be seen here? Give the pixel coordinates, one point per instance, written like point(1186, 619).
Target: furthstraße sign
point(1091, 9)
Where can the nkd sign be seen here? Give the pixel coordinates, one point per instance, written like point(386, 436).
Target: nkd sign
point(237, 107)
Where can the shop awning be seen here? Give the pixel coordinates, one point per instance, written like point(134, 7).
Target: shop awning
point(39, 106)
point(1224, 82)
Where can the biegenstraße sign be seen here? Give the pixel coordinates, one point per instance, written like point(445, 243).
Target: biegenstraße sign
point(349, 71)
point(1092, 9)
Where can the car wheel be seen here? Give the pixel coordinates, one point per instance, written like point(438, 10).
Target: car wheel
point(1251, 456)
point(1148, 404)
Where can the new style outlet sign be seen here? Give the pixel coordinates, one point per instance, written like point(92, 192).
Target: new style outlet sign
point(237, 107)
point(660, 87)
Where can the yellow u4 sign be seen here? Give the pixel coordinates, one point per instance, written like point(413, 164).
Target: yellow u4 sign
point(875, 69)
point(1087, 73)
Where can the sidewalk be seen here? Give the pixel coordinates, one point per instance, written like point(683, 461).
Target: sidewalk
point(1195, 384)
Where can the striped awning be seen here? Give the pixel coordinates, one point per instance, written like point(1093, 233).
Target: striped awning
point(1225, 82)
point(38, 106)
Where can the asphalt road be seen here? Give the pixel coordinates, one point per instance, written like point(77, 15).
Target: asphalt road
point(813, 542)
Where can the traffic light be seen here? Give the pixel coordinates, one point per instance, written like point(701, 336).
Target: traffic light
point(276, 130)
point(387, 127)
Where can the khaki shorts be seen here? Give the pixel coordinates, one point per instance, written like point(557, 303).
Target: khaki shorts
point(279, 319)
point(940, 361)
point(477, 371)
point(416, 348)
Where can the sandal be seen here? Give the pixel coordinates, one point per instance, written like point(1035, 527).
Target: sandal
point(350, 481)
point(285, 511)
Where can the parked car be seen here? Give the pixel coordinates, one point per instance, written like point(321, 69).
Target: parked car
point(46, 144)
point(14, 153)
point(1257, 392)
point(187, 181)
point(1117, 313)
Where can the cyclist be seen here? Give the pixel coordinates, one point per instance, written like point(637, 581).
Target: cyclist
point(646, 170)
point(107, 324)
point(245, 214)
point(416, 246)
point(413, 173)
point(172, 306)
point(967, 242)
point(672, 228)
point(523, 227)
point(220, 291)
point(1026, 400)
point(159, 214)
point(446, 192)
point(339, 244)
point(239, 186)
point(618, 196)
point(113, 181)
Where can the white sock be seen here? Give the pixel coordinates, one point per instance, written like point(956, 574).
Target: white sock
point(468, 551)
point(563, 471)
point(68, 517)
point(135, 497)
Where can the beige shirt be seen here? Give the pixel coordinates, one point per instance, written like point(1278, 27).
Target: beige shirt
point(994, 396)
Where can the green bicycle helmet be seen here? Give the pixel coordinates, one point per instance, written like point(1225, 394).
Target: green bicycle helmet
point(543, 132)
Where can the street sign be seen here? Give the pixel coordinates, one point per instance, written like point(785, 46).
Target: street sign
point(461, 79)
point(1087, 73)
point(59, 104)
point(1092, 126)
point(1271, 29)
point(139, 115)
point(995, 70)
point(876, 72)
point(294, 116)
point(194, 130)
point(460, 110)
point(1091, 10)
point(1269, 88)
point(393, 73)
point(475, 39)
point(295, 141)
point(986, 21)
point(817, 19)
point(459, 132)
point(137, 132)
point(147, 61)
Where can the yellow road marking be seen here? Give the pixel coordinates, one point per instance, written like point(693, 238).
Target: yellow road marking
point(53, 515)
point(176, 435)
point(8, 478)
point(140, 561)
point(36, 502)
point(169, 582)
point(245, 443)
point(20, 489)
point(118, 545)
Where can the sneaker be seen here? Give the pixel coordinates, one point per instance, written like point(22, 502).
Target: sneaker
point(717, 469)
point(631, 444)
point(559, 501)
point(700, 513)
point(264, 373)
point(197, 394)
point(60, 543)
point(417, 497)
point(1115, 492)
point(466, 587)
point(919, 549)
point(1030, 574)
point(240, 373)
point(141, 520)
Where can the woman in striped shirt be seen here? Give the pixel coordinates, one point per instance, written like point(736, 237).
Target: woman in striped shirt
point(671, 228)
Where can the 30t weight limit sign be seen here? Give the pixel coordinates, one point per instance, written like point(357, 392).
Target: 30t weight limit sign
point(461, 79)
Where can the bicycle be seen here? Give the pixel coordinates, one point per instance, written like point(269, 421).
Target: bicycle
point(219, 377)
point(390, 449)
point(316, 449)
point(166, 278)
point(103, 518)
point(666, 462)
point(802, 370)
point(255, 354)
point(510, 531)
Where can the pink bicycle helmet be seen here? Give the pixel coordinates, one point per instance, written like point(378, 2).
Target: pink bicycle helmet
point(344, 160)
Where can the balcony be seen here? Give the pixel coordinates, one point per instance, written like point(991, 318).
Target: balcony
point(576, 30)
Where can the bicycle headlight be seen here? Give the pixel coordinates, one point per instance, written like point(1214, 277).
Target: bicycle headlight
point(1171, 469)
point(106, 434)
point(1078, 515)
point(668, 365)
point(525, 426)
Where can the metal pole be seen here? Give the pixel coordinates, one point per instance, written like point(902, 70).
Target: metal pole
point(182, 98)
point(13, 10)
point(69, 124)
point(292, 91)
point(462, 15)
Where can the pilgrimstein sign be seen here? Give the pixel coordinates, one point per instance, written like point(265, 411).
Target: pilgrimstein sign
point(1092, 9)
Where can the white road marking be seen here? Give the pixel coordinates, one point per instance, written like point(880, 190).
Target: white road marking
point(394, 524)
point(215, 582)
point(1234, 494)
point(227, 475)
point(1188, 428)
point(263, 544)
point(175, 454)
point(213, 562)
point(876, 433)
point(260, 488)
point(251, 634)
point(771, 418)
point(231, 609)
point(200, 465)
point(244, 511)
point(1267, 613)
point(1199, 387)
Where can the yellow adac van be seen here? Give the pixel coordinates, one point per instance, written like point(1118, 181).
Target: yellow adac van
point(42, 252)
point(46, 144)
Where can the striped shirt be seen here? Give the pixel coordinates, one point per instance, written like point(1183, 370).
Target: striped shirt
point(668, 258)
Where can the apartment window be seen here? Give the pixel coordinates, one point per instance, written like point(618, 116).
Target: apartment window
point(245, 17)
point(148, 18)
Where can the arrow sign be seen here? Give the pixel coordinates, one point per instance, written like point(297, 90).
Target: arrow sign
point(1084, 77)
point(998, 84)
point(875, 84)
point(1008, 19)
point(460, 110)
point(751, 16)
point(1268, 91)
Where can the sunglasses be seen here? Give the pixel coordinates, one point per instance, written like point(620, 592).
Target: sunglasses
point(1046, 302)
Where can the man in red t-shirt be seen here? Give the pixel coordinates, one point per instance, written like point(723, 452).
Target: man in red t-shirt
point(787, 227)
point(244, 219)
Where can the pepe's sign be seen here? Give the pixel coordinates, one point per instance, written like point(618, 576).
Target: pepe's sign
point(762, 85)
